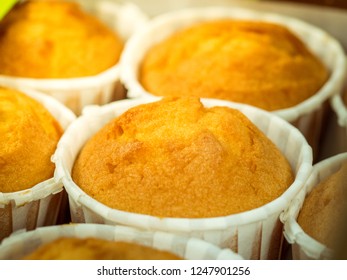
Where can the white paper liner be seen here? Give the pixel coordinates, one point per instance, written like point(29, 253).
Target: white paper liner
point(306, 116)
point(340, 109)
point(334, 140)
point(255, 234)
point(303, 246)
point(40, 204)
point(102, 88)
point(22, 243)
point(339, 131)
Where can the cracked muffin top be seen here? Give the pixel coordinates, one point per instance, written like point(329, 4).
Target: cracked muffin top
point(73, 248)
point(28, 138)
point(177, 158)
point(257, 63)
point(55, 39)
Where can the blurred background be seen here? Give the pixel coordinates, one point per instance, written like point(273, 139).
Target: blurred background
point(327, 3)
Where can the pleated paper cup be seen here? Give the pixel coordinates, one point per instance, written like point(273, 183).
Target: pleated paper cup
point(338, 135)
point(102, 88)
point(304, 246)
point(255, 234)
point(39, 205)
point(306, 116)
point(21, 244)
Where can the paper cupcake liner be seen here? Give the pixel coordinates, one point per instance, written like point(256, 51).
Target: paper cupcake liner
point(306, 116)
point(39, 205)
point(255, 234)
point(339, 130)
point(102, 88)
point(303, 246)
point(22, 243)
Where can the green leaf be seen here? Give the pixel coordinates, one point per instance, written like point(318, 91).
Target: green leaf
point(6, 6)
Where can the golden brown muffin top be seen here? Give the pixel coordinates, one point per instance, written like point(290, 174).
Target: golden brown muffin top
point(73, 248)
point(28, 138)
point(324, 210)
point(176, 158)
point(55, 39)
point(258, 63)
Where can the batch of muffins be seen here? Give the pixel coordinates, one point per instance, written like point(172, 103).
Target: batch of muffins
point(195, 134)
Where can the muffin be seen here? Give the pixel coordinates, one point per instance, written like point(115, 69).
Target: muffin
point(95, 241)
point(324, 208)
point(255, 66)
point(31, 125)
point(254, 234)
point(64, 44)
point(259, 63)
point(70, 54)
point(315, 219)
point(73, 248)
point(29, 136)
point(175, 158)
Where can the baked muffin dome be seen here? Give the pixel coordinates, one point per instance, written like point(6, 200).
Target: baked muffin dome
point(55, 39)
point(176, 158)
point(258, 63)
point(28, 138)
point(73, 248)
point(324, 210)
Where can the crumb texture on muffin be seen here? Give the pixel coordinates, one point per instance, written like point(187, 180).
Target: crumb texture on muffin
point(176, 158)
point(324, 211)
point(73, 248)
point(28, 138)
point(55, 39)
point(257, 63)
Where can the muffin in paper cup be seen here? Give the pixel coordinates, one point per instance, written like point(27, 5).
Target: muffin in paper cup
point(304, 246)
point(20, 244)
point(102, 88)
point(254, 234)
point(307, 116)
point(41, 204)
